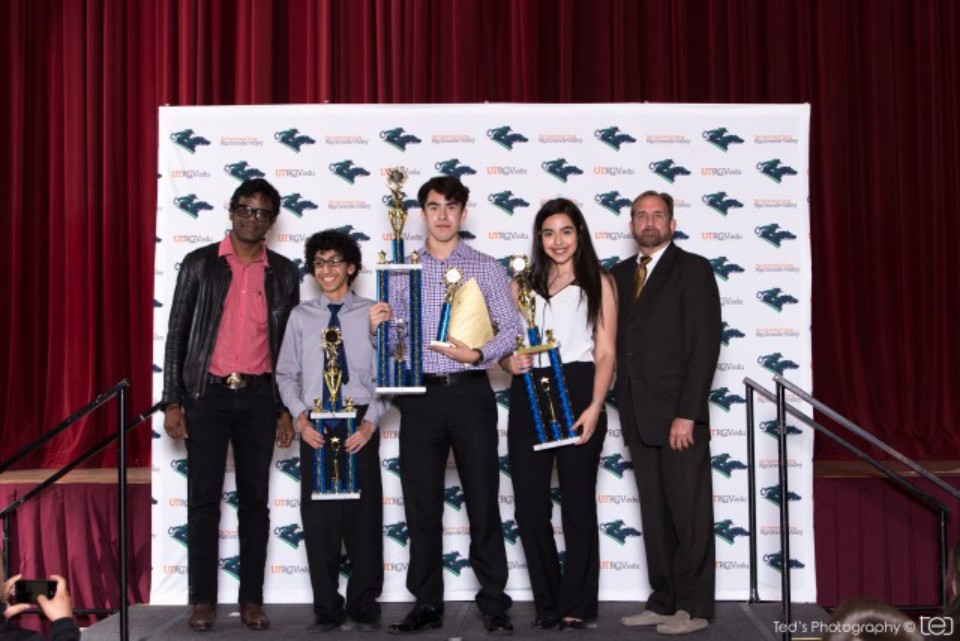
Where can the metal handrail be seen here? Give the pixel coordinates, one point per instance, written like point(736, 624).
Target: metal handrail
point(783, 409)
point(119, 391)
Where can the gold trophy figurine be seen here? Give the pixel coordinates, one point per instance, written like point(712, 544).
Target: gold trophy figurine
point(396, 178)
point(520, 265)
point(332, 376)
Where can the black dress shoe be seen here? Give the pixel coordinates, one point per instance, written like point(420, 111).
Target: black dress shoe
point(497, 624)
point(420, 619)
point(326, 623)
point(547, 623)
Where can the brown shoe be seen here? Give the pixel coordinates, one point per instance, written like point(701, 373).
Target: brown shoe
point(203, 616)
point(253, 616)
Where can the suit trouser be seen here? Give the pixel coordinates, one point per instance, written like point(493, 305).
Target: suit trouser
point(676, 502)
point(246, 419)
point(570, 591)
point(462, 416)
point(355, 523)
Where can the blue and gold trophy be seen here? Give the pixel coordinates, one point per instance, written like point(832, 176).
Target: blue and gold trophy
point(554, 428)
point(334, 468)
point(400, 372)
point(453, 280)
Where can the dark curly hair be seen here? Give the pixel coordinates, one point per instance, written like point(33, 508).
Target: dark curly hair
point(338, 241)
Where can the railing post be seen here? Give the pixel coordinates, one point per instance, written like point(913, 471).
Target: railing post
point(6, 545)
point(752, 496)
point(122, 493)
point(943, 558)
point(784, 510)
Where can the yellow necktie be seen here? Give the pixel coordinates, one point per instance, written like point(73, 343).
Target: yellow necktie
point(640, 277)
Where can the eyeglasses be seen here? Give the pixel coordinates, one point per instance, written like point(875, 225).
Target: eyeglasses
point(245, 212)
point(333, 262)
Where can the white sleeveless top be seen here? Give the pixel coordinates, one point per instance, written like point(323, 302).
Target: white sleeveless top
point(566, 314)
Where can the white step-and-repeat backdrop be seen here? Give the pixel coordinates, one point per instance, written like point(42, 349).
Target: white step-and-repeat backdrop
point(739, 175)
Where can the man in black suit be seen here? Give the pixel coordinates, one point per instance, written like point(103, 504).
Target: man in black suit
point(667, 351)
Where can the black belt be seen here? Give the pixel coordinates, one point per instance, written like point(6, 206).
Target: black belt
point(237, 380)
point(446, 380)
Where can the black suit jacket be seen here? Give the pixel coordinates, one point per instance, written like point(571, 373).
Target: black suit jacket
point(668, 343)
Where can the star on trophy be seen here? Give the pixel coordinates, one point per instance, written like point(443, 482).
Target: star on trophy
point(553, 428)
point(399, 371)
point(453, 280)
point(334, 469)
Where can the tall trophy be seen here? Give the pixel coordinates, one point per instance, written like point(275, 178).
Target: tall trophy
point(547, 390)
point(399, 367)
point(453, 280)
point(334, 469)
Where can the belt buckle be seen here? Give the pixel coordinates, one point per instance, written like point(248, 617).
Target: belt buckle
point(235, 381)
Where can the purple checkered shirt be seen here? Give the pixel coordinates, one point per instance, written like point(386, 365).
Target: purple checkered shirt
point(495, 285)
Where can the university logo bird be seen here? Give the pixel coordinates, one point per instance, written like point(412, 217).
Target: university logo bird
point(232, 499)
point(612, 201)
point(243, 171)
point(773, 234)
point(454, 564)
point(503, 462)
point(775, 495)
point(397, 532)
point(775, 561)
point(723, 268)
point(356, 235)
point(775, 170)
point(560, 169)
point(296, 205)
point(179, 466)
point(505, 136)
point(506, 201)
point(346, 567)
point(775, 298)
point(293, 139)
point(179, 534)
point(290, 534)
point(347, 170)
point(608, 263)
point(776, 363)
point(453, 496)
point(726, 465)
point(721, 139)
point(398, 138)
point(771, 428)
point(616, 464)
point(668, 170)
point(727, 531)
point(503, 398)
point(231, 565)
point(613, 137)
point(510, 532)
point(453, 168)
point(188, 140)
point(290, 467)
point(407, 203)
point(555, 495)
point(619, 531)
point(720, 203)
point(728, 333)
point(722, 398)
point(192, 205)
point(392, 465)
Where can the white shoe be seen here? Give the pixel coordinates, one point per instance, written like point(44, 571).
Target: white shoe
point(682, 623)
point(647, 617)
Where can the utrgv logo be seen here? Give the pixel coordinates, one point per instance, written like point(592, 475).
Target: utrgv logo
point(453, 496)
point(667, 170)
point(179, 534)
point(453, 564)
point(510, 532)
point(612, 201)
point(191, 205)
point(722, 268)
point(290, 467)
point(613, 137)
point(391, 465)
point(296, 205)
point(720, 203)
point(616, 464)
point(290, 534)
point(727, 531)
point(775, 561)
point(559, 169)
point(504, 463)
point(776, 363)
point(356, 235)
point(453, 168)
point(722, 398)
point(773, 234)
point(505, 136)
point(347, 170)
point(775, 170)
point(188, 141)
point(771, 428)
point(609, 262)
point(618, 531)
point(232, 499)
point(505, 201)
point(721, 139)
point(727, 333)
point(725, 465)
point(293, 139)
point(398, 139)
point(242, 171)
point(503, 398)
point(231, 565)
point(775, 495)
point(398, 532)
point(775, 299)
point(179, 466)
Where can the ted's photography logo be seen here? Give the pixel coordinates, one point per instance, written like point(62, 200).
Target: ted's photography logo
point(347, 170)
point(775, 170)
point(242, 170)
point(290, 467)
point(725, 464)
point(397, 137)
point(506, 137)
point(293, 139)
point(720, 203)
point(668, 170)
point(454, 563)
point(454, 168)
point(727, 531)
point(619, 531)
point(188, 140)
point(773, 234)
point(507, 202)
point(192, 205)
point(296, 204)
point(290, 534)
point(776, 363)
point(775, 298)
point(728, 333)
point(724, 399)
point(613, 137)
point(560, 169)
point(723, 268)
point(721, 138)
point(612, 201)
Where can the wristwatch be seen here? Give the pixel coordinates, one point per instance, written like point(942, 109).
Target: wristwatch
point(480, 358)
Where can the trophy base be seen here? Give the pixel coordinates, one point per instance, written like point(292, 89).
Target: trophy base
point(440, 344)
point(549, 445)
point(342, 496)
point(401, 391)
point(399, 267)
point(536, 349)
point(314, 415)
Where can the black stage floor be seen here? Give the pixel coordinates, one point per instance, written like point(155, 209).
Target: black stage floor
point(734, 622)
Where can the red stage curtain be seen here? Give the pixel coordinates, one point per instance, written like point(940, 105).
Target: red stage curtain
point(79, 131)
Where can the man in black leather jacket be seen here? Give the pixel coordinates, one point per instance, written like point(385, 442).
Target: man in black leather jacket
point(227, 320)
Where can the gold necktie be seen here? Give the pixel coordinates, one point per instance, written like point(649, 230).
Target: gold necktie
point(640, 277)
